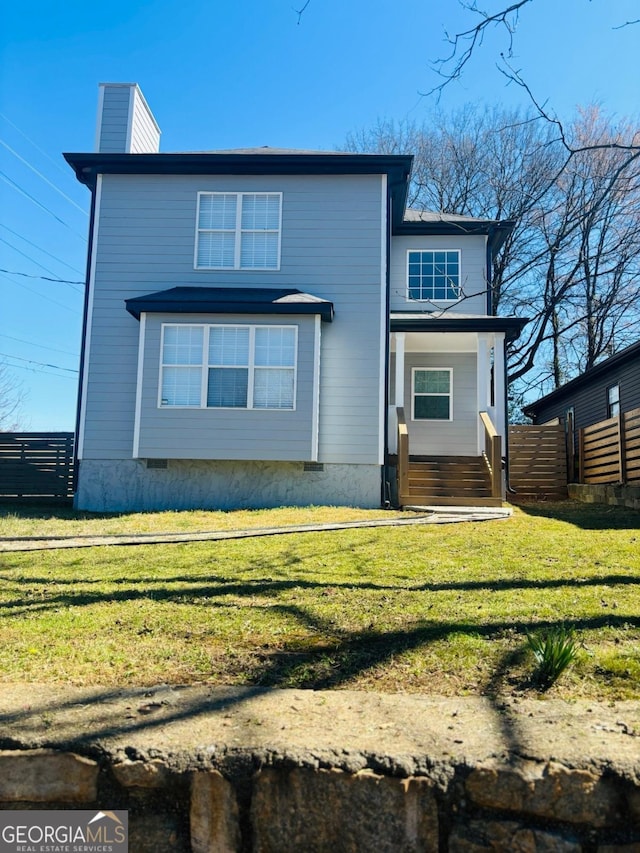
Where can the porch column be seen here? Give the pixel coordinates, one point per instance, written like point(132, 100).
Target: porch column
point(499, 389)
point(400, 369)
point(399, 393)
point(483, 372)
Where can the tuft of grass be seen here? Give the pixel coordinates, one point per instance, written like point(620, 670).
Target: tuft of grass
point(554, 653)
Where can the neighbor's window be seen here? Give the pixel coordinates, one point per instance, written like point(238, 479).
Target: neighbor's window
point(238, 231)
point(228, 367)
point(613, 401)
point(433, 275)
point(432, 398)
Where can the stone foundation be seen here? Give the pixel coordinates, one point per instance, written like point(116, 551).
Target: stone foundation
point(255, 802)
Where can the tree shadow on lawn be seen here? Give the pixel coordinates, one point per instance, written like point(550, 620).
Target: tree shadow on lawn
point(585, 516)
point(162, 589)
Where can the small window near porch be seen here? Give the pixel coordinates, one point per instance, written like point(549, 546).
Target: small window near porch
point(431, 394)
point(613, 401)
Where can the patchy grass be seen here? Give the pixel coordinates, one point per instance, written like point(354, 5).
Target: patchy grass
point(16, 521)
point(440, 609)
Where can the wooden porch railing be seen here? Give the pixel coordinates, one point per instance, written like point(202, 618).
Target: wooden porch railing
point(403, 456)
point(492, 454)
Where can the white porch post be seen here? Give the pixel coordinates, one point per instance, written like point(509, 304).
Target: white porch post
point(483, 370)
point(399, 392)
point(399, 369)
point(499, 385)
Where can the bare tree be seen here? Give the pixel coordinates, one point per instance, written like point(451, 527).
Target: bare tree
point(571, 263)
point(12, 396)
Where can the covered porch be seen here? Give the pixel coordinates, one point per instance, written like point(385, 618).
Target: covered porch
point(447, 412)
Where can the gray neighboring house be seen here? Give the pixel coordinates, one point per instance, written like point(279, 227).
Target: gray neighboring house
point(604, 391)
point(258, 321)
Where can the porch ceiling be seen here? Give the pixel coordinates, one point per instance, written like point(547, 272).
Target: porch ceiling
point(438, 342)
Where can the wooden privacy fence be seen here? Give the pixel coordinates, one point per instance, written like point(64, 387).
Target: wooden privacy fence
point(609, 451)
point(537, 462)
point(36, 465)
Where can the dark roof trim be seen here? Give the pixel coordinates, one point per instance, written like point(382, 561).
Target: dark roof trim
point(397, 167)
point(511, 326)
point(229, 300)
point(497, 231)
point(612, 363)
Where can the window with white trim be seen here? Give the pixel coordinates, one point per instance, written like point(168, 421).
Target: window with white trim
point(228, 366)
point(433, 275)
point(432, 398)
point(238, 231)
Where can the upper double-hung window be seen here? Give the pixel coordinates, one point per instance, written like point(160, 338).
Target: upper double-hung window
point(238, 231)
point(433, 276)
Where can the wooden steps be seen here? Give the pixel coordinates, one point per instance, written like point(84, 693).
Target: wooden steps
point(449, 481)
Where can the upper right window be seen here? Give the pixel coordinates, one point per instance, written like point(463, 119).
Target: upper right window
point(613, 401)
point(433, 275)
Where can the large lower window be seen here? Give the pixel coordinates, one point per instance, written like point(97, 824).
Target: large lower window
point(433, 275)
point(431, 394)
point(238, 231)
point(228, 367)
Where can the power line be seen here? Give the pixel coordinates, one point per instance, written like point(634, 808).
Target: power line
point(39, 248)
point(44, 178)
point(19, 189)
point(35, 145)
point(43, 277)
point(36, 370)
point(37, 263)
point(39, 363)
point(40, 295)
point(41, 346)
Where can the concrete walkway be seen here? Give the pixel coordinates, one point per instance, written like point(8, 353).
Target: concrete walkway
point(424, 515)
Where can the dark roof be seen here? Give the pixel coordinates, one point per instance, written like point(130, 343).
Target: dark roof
point(397, 167)
point(448, 321)
point(230, 300)
point(615, 361)
point(431, 222)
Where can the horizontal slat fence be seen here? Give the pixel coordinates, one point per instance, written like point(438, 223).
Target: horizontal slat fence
point(610, 450)
point(537, 462)
point(36, 466)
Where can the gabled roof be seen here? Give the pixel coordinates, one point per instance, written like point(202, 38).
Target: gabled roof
point(612, 363)
point(230, 300)
point(252, 161)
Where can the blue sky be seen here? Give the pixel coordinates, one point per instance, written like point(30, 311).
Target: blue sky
point(227, 74)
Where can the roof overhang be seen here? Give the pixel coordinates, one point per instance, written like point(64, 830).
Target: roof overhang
point(397, 167)
point(230, 300)
point(441, 322)
point(496, 231)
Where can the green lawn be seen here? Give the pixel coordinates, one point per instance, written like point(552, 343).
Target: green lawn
point(441, 609)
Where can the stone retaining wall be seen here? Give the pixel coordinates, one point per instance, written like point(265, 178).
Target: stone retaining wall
point(613, 495)
point(239, 800)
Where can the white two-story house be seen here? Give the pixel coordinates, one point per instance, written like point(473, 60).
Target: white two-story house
point(272, 327)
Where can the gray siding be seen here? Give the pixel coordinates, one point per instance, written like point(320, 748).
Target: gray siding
point(590, 400)
point(227, 433)
point(113, 122)
point(445, 438)
point(331, 246)
point(473, 268)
